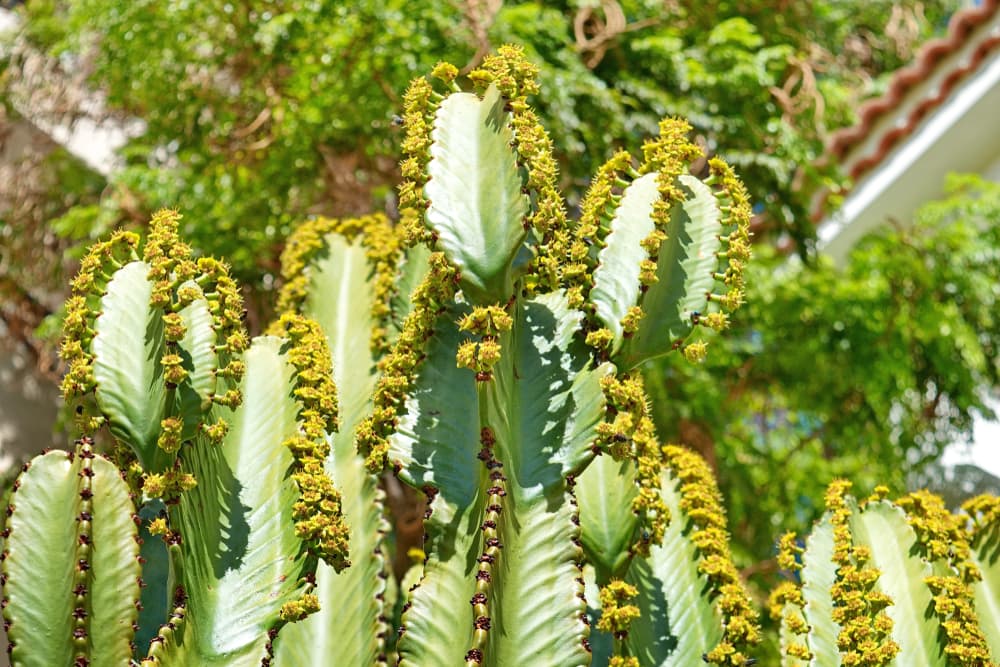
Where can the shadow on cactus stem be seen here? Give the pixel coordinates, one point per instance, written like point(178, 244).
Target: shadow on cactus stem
point(484, 352)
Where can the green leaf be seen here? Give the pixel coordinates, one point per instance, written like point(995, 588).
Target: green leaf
point(616, 278)
point(127, 351)
point(677, 621)
point(986, 555)
point(542, 405)
point(345, 629)
point(476, 204)
point(42, 564)
point(241, 557)
point(883, 528)
point(819, 573)
point(685, 268)
point(604, 493)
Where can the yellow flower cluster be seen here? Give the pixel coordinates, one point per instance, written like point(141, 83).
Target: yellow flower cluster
point(668, 156)
point(984, 514)
point(787, 605)
point(628, 432)
point(485, 322)
point(399, 368)
point(317, 512)
point(734, 202)
point(701, 502)
point(865, 628)
point(596, 212)
point(616, 616)
point(419, 107)
point(167, 485)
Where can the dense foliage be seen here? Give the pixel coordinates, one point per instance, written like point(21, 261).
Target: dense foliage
point(257, 115)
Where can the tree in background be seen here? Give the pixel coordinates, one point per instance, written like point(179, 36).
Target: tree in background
point(259, 114)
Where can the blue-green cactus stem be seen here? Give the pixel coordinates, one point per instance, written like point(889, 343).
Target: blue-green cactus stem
point(165, 641)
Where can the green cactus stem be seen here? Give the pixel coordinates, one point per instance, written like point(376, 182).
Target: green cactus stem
point(888, 583)
point(70, 571)
point(155, 339)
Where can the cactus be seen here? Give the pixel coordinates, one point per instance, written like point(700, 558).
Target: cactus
point(484, 351)
point(227, 440)
point(892, 583)
point(506, 337)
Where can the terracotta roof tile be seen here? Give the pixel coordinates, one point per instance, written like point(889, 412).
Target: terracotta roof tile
point(962, 24)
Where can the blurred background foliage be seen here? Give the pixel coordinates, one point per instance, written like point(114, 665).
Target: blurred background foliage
point(255, 115)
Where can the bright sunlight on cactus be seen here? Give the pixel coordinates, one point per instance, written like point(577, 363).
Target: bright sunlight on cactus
point(484, 351)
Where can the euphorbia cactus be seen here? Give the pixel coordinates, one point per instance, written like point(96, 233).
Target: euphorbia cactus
point(498, 362)
point(485, 351)
point(229, 442)
point(893, 583)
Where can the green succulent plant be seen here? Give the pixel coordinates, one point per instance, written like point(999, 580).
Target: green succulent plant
point(484, 351)
point(893, 583)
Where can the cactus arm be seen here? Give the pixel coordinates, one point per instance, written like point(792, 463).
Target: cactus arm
point(151, 339)
point(616, 279)
point(883, 528)
point(241, 556)
point(685, 275)
point(605, 493)
point(512, 441)
point(476, 203)
point(71, 569)
point(677, 622)
point(819, 573)
point(127, 370)
point(340, 290)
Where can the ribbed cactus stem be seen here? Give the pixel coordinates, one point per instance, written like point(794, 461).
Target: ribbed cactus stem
point(70, 569)
point(701, 502)
point(492, 549)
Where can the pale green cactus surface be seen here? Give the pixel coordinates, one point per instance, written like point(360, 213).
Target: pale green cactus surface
point(484, 351)
point(893, 583)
